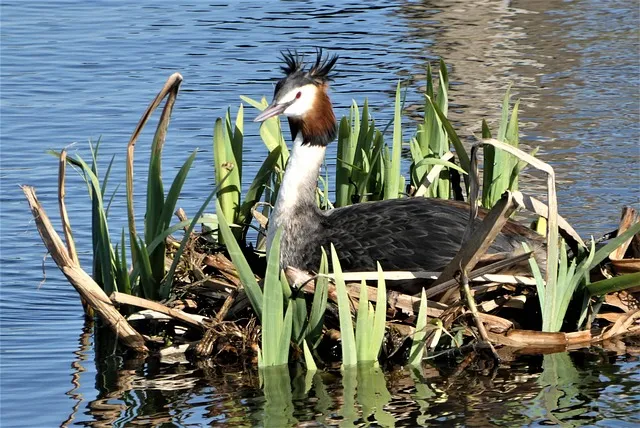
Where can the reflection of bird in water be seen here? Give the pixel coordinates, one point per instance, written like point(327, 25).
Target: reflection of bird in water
point(402, 234)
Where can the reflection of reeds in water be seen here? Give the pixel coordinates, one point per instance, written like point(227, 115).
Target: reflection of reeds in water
point(78, 367)
point(531, 390)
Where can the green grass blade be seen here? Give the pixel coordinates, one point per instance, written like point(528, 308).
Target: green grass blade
point(617, 283)
point(254, 293)
point(124, 283)
point(308, 358)
point(111, 199)
point(392, 183)
point(504, 119)
point(285, 337)
point(614, 243)
point(463, 157)
point(155, 189)
point(418, 344)
point(147, 284)
point(160, 238)
point(349, 355)
point(489, 154)
point(438, 161)
point(363, 325)
point(319, 304)
point(272, 306)
point(416, 171)
point(256, 189)
point(380, 317)
point(344, 161)
point(237, 140)
point(173, 195)
point(299, 309)
point(537, 275)
point(443, 88)
point(105, 180)
point(253, 103)
point(228, 196)
point(103, 255)
point(373, 181)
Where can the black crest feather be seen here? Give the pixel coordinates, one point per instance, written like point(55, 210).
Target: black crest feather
point(319, 72)
point(322, 68)
point(293, 61)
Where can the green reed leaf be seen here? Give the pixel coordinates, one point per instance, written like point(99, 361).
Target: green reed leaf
point(349, 354)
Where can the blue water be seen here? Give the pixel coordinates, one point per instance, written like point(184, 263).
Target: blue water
point(71, 71)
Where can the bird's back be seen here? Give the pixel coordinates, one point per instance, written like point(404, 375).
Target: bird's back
point(402, 234)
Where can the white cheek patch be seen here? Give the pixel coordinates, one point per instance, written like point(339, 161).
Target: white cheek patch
point(301, 105)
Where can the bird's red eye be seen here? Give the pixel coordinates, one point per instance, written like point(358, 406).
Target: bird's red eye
point(298, 95)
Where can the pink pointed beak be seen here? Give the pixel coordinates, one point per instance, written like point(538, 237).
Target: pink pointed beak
point(271, 111)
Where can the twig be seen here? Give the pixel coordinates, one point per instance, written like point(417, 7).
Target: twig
point(226, 305)
point(182, 216)
point(483, 273)
point(464, 282)
point(127, 299)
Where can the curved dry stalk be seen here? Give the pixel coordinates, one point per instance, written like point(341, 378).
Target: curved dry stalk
point(541, 209)
point(81, 281)
point(170, 88)
point(552, 220)
point(66, 225)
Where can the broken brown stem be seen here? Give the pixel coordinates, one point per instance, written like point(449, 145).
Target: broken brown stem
point(479, 241)
point(81, 281)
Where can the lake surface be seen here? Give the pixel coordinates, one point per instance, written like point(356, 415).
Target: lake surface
point(71, 71)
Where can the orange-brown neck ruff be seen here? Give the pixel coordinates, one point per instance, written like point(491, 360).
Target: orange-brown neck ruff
point(318, 126)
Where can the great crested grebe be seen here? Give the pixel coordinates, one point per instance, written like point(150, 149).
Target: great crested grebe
point(402, 234)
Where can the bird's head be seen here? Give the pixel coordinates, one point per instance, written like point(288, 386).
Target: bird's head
point(302, 94)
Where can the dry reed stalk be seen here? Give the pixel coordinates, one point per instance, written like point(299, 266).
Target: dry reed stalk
point(127, 299)
point(627, 219)
point(406, 303)
point(480, 241)
point(228, 302)
point(182, 216)
point(66, 224)
point(407, 275)
point(552, 201)
point(170, 88)
point(541, 209)
point(540, 339)
point(81, 281)
point(471, 304)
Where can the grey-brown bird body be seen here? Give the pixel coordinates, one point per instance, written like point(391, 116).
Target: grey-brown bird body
point(402, 234)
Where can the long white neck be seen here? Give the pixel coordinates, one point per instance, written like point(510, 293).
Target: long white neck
point(298, 188)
